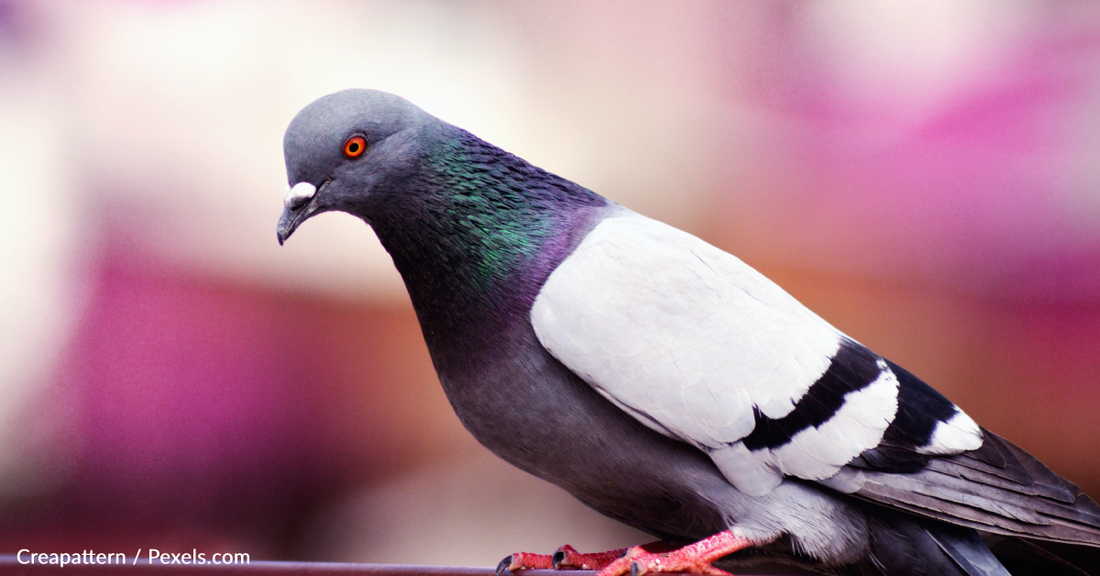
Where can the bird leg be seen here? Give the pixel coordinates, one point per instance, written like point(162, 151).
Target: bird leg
point(567, 558)
point(692, 559)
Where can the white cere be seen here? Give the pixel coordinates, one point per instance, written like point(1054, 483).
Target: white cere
point(296, 196)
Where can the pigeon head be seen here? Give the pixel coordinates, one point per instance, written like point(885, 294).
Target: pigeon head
point(343, 149)
point(468, 225)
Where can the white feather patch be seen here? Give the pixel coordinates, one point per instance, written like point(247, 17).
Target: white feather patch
point(688, 339)
point(745, 470)
point(958, 434)
point(818, 453)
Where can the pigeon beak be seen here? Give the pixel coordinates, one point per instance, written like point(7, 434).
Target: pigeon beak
point(295, 201)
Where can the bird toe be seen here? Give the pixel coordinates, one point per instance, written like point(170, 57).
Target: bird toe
point(525, 561)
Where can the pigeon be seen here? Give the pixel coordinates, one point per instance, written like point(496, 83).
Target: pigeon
point(665, 383)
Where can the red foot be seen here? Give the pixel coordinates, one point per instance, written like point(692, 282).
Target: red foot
point(656, 556)
point(567, 558)
point(692, 559)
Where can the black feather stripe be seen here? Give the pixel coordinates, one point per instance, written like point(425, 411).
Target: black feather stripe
point(920, 409)
point(852, 368)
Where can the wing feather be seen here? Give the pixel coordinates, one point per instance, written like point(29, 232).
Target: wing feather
point(997, 488)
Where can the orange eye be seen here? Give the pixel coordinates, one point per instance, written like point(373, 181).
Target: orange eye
point(354, 146)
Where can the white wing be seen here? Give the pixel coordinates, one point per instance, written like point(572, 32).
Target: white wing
point(698, 345)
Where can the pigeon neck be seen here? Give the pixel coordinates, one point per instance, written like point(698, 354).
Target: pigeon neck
point(475, 233)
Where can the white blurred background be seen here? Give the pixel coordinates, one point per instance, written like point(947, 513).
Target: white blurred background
point(923, 174)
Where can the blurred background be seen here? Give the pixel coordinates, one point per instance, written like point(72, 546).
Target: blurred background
point(925, 175)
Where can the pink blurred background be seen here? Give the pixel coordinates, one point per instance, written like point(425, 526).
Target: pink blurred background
point(926, 176)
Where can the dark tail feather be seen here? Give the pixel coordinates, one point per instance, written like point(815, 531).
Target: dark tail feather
point(1047, 558)
point(967, 550)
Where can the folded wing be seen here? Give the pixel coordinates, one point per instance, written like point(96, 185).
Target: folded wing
point(700, 347)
